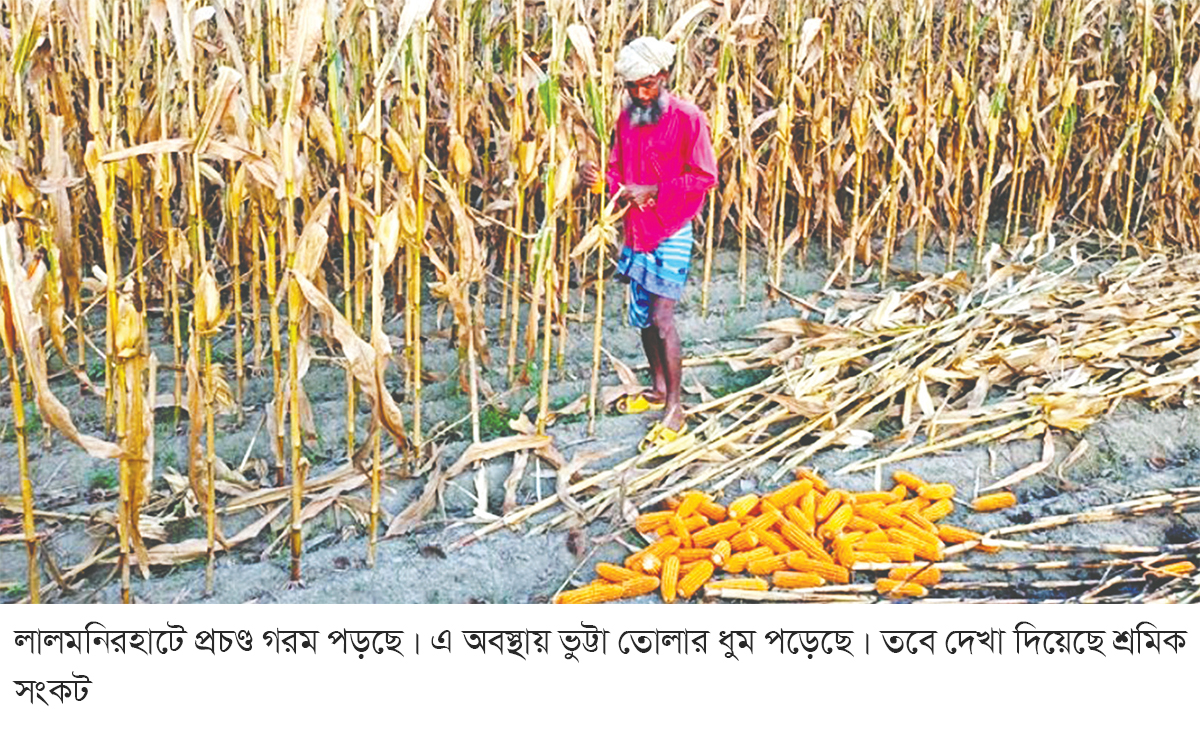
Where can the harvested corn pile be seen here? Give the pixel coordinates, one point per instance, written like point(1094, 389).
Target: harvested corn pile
point(801, 536)
point(806, 541)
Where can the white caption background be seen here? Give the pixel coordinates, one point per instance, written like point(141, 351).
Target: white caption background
point(465, 691)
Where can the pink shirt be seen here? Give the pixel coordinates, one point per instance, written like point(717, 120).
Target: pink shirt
point(676, 154)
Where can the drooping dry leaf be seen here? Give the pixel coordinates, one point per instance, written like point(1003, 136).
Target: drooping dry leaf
point(363, 361)
point(421, 506)
point(489, 449)
point(310, 248)
point(171, 554)
point(513, 481)
point(27, 326)
point(220, 97)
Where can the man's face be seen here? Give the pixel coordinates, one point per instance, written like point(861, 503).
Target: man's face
point(643, 92)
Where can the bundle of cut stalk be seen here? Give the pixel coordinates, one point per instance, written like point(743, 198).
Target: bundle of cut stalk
point(800, 536)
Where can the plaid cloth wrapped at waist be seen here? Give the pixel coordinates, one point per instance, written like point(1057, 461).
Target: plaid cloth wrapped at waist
point(662, 271)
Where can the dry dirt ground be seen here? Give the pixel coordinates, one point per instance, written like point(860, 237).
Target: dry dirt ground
point(1132, 451)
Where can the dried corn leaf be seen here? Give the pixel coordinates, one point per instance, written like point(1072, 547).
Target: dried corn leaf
point(489, 449)
point(27, 325)
point(420, 507)
point(363, 361)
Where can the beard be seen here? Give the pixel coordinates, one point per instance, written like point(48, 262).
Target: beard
point(647, 114)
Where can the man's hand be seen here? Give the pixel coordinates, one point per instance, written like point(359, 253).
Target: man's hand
point(589, 174)
point(641, 195)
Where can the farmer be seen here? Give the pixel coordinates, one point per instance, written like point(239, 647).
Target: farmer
point(661, 164)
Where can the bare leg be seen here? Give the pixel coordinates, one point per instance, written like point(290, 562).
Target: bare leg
point(654, 355)
point(662, 318)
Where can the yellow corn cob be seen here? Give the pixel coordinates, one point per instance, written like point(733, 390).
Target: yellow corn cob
point(866, 557)
point(672, 503)
point(993, 502)
point(670, 577)
point(985, 548)
point(852, 537)
point(720, 531)
point(793, 513)
point(1182, 568)
point(803, 541)
point(680, 531)
point(899, 492)
point(639, 586)
point(879, 515)
point(870, 497)
point(937, 510)
point(685, 567)
point(687, 555)
point(828, 503)
point(738, 561)
point(774, 542)
point(741, 584)
point(651, 521)
point(767, 519)
point(691, 524)
point(923, 576)
point(817, 482)
point(695, 522)
point(743, 506)
point(896, 552)
point(899, 588)
point(790, 493)
point(712, 511)
point(796, 580)
point(664, 547)
point(828, 571)
point(593, 594)
point(908, 480)
point(929, 538)
point(861, 524)
point(934, 492)
point(951, 534)
point(914, 519)
point(690, 503)
point(808, 508)
point(843, 553)
point(650, 563)
point(743, 541)
point(875, 536)
point(919, 547)
point(721, 552)
point(767, 566)
point(837, 521)
point(695, 578)
point(901, 508)
point(615, 574)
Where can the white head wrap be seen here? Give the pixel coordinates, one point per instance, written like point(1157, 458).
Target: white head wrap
point(644, 57)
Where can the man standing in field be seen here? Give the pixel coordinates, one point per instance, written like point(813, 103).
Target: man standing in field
point(662, 164)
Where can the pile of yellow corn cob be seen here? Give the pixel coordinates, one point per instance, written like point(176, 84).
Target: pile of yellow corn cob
point(801, 536)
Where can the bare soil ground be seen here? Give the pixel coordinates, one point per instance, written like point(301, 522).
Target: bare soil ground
point(1131, 451)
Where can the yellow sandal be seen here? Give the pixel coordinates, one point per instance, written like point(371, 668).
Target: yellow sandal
point(635, 405)
point(665, 441)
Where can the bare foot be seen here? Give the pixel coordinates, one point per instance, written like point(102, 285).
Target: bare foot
point(673, 417)
point(655, 396)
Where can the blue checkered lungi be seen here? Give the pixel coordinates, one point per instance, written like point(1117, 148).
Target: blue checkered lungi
point(661, 272)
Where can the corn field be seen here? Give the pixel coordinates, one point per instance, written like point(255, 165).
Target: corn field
point(252, 169)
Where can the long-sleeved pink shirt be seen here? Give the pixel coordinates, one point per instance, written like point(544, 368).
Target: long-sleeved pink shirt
point(675, 153)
